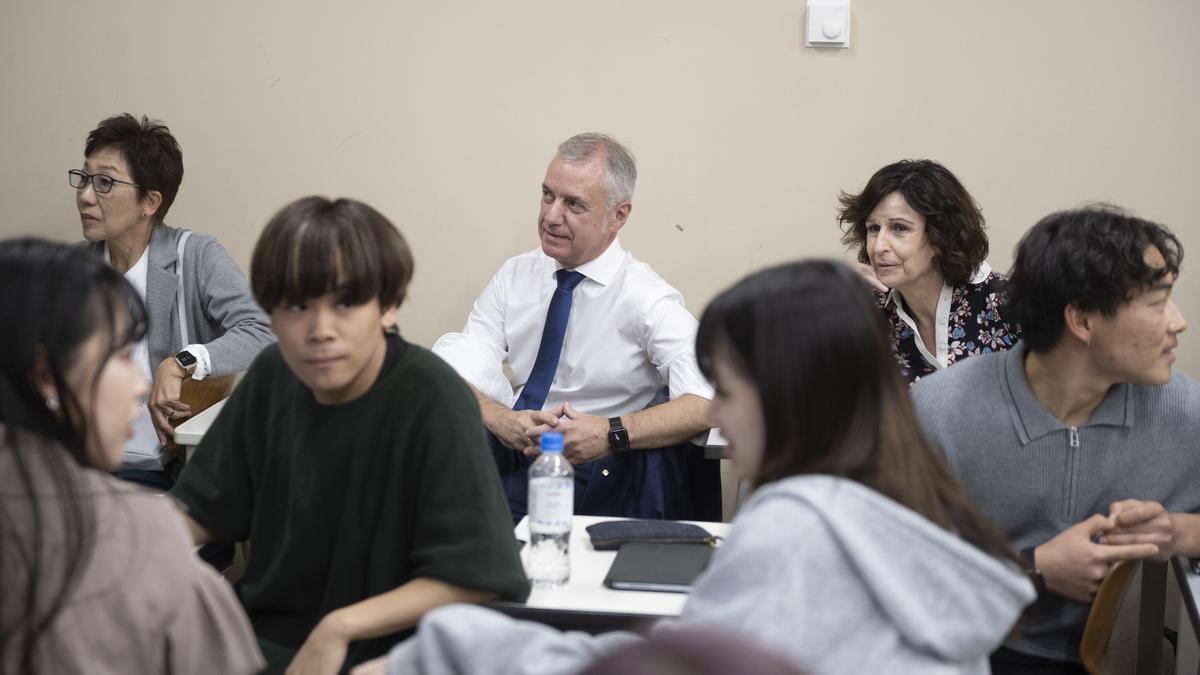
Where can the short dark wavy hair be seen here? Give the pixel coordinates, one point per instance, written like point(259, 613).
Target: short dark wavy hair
point(154, 157)
point(305, 244)
point(1092, 257)
point(953, 221)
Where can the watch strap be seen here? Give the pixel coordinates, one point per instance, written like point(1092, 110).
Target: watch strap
point(1031, 570)
point(618, 436)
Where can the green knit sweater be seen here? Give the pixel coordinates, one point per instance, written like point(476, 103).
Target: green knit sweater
point(346, 502)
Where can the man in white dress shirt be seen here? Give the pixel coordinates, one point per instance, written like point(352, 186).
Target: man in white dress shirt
point(592, 336)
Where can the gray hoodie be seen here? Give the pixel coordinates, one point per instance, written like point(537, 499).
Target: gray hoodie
point(823, 571)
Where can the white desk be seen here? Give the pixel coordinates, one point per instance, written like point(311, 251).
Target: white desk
point(714, 443)
point(190, 433)
point(584, 601)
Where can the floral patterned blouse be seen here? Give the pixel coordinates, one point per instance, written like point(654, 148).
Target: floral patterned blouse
point(970, 320)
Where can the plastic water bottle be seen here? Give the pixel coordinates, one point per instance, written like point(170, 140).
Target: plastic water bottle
point(551, 505)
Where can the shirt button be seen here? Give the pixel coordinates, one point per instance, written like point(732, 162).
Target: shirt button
point(605, 472)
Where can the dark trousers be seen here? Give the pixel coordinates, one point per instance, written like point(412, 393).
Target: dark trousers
point(1008, 662)
point(673, 483)
point(159, 481)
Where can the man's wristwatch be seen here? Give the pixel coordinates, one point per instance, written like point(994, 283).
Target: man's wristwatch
point(618, 437)
point(186, 360)
point(1031, 570)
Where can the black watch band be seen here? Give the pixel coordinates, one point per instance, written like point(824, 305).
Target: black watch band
point(618, 437)
point(1031, 570)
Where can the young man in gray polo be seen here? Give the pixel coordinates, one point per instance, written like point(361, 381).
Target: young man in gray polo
point(1080, 443)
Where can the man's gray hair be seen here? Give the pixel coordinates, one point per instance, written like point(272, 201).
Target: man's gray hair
point(620, 176)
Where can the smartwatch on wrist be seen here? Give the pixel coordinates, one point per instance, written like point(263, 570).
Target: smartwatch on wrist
point(618, 437)
point(1031, 570)
point(187, 361)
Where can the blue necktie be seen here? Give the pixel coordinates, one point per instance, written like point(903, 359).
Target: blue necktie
point(537, 387)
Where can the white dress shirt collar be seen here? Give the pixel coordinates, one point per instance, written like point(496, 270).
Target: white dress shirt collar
point(603, 267)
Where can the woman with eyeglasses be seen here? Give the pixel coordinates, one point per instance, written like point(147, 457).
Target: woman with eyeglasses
point(96, 575)
point(204, 321)
point(858, 551)
point(921, 245)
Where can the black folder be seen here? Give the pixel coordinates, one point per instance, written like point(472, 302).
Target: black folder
point(649, 566)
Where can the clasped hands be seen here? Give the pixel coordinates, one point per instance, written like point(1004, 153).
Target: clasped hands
point(585, 437)
point(1075, 562)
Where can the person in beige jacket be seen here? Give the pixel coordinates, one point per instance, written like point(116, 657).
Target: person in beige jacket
point(96, 575)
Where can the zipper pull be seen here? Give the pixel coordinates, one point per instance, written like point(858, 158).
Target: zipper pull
point(1074, 437)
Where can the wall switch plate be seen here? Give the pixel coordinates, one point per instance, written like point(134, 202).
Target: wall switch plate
point(827, 24)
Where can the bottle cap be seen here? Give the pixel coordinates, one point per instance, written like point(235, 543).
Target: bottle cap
point(552, 441)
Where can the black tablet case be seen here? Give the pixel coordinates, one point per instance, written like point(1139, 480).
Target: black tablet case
point(610, 534)
point(648, 566)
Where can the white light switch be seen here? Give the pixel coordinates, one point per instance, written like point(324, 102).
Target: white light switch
point(827, 24)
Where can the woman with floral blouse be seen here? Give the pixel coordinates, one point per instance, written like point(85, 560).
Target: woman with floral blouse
point(921, 244)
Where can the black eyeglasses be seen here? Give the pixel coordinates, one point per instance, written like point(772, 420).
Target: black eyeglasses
point(101, 182)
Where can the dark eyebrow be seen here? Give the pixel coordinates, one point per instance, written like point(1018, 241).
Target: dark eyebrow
point(1163, 286)
point(101, 169)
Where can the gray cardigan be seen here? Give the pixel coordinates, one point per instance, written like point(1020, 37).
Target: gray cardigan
point(222, 314)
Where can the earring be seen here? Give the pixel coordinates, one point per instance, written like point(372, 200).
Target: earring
point(52, 404)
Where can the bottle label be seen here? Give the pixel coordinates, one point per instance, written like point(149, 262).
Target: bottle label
point(551, 503)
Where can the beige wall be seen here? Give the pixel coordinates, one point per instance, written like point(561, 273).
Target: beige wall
point(444, 115)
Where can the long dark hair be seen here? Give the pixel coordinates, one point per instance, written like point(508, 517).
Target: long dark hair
point(55, 298)
point(812, 340)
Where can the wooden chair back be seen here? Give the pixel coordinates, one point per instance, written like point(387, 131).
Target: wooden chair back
point(200, 395)
point(1102, 618)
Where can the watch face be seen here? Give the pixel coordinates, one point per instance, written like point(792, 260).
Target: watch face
point(185, 359)
point(618, 439)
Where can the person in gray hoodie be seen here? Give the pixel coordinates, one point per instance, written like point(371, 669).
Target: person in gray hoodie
point(858, 551)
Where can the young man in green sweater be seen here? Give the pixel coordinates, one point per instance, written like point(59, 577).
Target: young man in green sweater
point(355, 463)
